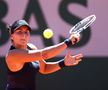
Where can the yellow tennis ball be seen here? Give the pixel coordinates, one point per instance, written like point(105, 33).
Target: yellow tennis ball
point(48, 33)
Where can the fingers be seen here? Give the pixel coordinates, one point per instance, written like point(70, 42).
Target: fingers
point(77, 61)
point(72, 60)
point(78, 56)
point(75, 38)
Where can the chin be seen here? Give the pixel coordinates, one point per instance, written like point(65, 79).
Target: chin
point(23, 43)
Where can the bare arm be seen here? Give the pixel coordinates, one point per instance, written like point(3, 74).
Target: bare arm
point(23, 56)
point(33, 55)
point(50, 67)
point(52, 51)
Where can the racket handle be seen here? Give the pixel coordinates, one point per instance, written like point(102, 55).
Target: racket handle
point(74, 42)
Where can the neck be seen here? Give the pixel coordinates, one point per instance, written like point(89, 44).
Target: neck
point(20, 46)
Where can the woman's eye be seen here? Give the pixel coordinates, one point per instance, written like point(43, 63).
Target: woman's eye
point(19, 32)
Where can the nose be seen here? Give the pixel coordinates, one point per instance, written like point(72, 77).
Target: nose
point(24, 35)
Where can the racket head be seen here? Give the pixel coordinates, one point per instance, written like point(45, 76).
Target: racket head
point(83, 24)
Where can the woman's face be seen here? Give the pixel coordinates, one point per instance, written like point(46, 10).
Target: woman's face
point(21, 36)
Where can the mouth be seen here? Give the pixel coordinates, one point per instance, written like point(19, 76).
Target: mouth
point(23, 40)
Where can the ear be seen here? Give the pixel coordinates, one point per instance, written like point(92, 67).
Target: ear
point(11, 36)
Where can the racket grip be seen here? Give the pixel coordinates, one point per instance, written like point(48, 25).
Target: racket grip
point(74, 42)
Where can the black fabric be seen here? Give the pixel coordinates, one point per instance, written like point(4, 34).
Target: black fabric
point(68, 42)
point(61, 63)
point(23, 79)
point(18, 24)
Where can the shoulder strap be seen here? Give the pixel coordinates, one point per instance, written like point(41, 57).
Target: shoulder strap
point(12, 47)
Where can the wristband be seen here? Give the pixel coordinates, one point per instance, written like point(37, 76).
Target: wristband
point(68, 42)
point(61, 63)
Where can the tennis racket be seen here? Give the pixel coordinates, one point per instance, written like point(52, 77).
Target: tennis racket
point(83, 24)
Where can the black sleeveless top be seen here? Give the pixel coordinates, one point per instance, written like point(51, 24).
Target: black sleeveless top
point(23, 79)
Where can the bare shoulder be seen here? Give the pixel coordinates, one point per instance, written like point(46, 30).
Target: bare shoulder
point(32, 46)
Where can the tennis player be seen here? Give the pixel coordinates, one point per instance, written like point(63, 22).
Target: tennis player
point(24, 60)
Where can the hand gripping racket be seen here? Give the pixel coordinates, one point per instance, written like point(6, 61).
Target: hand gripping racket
point(83, 24)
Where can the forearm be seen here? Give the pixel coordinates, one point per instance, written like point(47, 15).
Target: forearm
point(49, 67)
point(33, 55)
point(52, 51)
